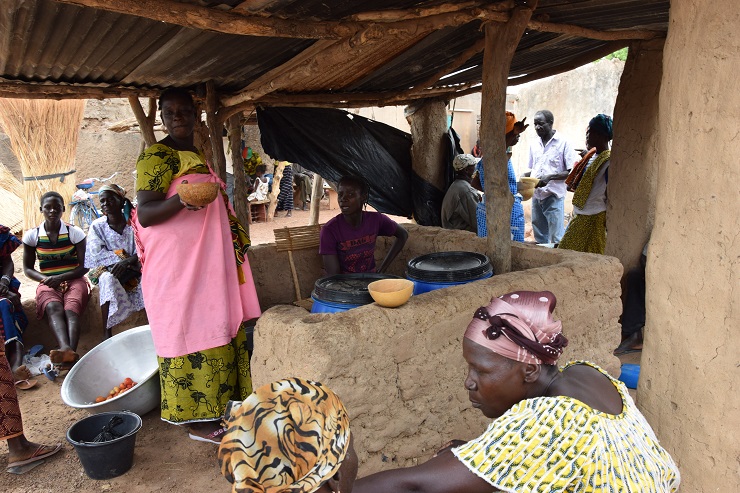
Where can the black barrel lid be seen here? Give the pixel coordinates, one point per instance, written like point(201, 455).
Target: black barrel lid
point(448, 267)
point(347, 288)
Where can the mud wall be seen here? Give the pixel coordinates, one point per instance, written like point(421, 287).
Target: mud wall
point(690, 373)
point(400, 371)
point(633, 171)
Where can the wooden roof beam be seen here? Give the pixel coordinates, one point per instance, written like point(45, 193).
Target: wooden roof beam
point(228, 22)
point(419, 12)
point(235, 22)
point(30, 90)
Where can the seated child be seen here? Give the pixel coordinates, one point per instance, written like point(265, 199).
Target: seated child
point(348, 240)
point(63, 291)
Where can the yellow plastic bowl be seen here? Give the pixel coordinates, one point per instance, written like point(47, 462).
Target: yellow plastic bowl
point(391, 293)
point(198, 194)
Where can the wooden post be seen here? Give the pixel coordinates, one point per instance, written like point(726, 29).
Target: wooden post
point(215, 131)
point(277, 175)
point(501, 43)
point(241, 205)
point(316, 193)
point(146, 122)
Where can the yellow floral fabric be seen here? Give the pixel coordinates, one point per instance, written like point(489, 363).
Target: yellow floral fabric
point(198, 386)
point(586, 233)
point(158, 165)
point(559, 444)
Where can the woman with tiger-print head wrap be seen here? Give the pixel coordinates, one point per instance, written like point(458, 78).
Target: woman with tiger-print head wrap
point(288, 436)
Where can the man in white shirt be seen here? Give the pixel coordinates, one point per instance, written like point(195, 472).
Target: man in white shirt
point(550, 160)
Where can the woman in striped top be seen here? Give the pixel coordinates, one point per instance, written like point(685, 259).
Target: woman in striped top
point(63, 291)
point(570, 429)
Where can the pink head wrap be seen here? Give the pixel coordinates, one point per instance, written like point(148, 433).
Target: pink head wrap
point(520, 326)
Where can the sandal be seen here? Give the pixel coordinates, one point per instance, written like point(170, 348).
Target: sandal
point(37, 458)
point(214, 437)
point(26, 384)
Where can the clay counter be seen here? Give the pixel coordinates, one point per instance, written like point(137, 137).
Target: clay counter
point(400, 371)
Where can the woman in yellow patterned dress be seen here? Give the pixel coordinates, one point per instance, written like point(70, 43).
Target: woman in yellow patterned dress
point(573, 429)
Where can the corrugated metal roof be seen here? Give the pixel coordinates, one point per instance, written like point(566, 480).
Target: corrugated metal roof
point(42, 41)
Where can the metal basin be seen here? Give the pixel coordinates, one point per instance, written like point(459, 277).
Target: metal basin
point(128, 354)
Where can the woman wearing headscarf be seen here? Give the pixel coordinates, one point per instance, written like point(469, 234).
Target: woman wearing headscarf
point(569, 429)
point(112, 259)
point(587, 230)
point(288, 436)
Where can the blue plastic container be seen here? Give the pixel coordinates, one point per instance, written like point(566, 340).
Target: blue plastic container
point(444, 269)
point(630, 375)
point(425, 286)
point(321, 306)
point(343, 292)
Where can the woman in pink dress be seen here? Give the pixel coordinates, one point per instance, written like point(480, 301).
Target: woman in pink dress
point(197, 284)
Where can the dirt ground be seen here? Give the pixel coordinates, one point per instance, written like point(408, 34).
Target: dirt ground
point(165, 459)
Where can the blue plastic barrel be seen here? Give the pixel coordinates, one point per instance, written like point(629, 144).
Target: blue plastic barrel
point(322, 306)
point(630, 375)
point(444, 269)
point(343, 292)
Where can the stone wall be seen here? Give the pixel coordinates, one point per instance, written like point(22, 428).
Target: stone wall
point(400, 371)
point(690, 372)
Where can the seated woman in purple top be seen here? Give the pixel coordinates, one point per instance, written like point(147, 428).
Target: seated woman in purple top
point(348, 240)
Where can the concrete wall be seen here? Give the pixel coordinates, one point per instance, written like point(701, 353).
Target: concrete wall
point(633, 172)
point(689, 385)
point(400, 371)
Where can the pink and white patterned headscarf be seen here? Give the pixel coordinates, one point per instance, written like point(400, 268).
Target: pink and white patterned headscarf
point(520, 326)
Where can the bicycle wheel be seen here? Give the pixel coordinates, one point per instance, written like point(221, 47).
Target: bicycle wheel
point(81, 216)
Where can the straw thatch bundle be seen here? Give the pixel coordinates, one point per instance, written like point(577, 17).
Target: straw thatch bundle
point(11, 203)
point(43, 136)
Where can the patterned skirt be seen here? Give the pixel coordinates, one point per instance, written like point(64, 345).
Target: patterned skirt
point(196, 387)
point(586, 234)
point(11, 425)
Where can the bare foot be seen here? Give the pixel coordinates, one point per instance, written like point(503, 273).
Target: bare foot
point(22, 373)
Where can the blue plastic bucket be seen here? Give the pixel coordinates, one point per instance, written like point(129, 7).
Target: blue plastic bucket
point(630, 375)
point(426, 286)
point(322, 306)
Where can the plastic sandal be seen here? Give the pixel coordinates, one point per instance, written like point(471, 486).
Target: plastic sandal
point(50, 372)
point(34, 351)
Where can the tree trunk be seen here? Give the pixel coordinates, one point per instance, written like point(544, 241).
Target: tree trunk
point(277, 175)
point(501, 43)
point(215, 130)
point(241, 205)
point(316, 194)
point(146, 122)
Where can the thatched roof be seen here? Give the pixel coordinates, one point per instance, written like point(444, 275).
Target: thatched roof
point(295, 52)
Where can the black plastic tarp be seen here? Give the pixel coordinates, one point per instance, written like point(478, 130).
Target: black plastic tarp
point(335, 143)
